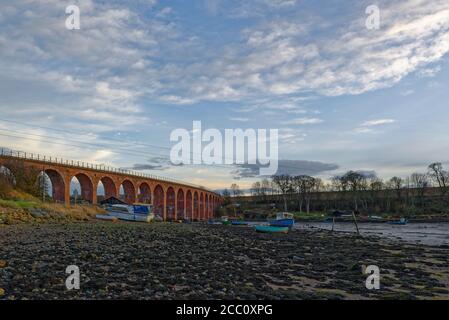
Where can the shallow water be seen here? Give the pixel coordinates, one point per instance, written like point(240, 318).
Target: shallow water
point(432, 234)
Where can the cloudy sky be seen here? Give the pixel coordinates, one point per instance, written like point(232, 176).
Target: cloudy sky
point(342, 96)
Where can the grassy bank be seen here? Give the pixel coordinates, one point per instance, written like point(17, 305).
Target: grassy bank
point(22, 208)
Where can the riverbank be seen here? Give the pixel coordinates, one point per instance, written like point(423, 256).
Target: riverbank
point(176, 261)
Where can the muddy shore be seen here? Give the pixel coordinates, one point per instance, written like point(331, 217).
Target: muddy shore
point(175, 261)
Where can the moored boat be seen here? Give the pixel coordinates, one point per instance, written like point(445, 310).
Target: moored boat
point(239, 223)
point(401, 222)
point(138, 213)
point(225, 220)
point(271, 229)
point(283, 219)
point(106, 217)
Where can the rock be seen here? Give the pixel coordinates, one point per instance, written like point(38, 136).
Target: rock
point(3, 264)
point(38, 213)
point(2, 292)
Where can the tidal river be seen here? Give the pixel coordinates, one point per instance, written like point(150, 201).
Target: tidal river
point(433, 234)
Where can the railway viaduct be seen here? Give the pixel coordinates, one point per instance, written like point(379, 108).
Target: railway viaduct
point(171, 199)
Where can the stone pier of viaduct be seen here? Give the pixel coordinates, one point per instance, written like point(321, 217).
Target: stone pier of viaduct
point(171, 199)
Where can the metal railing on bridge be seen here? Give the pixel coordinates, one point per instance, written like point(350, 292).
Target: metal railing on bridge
point(91, 166)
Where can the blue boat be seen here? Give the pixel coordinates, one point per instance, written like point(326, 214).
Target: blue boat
point(401, 222)
point(239, 223)
point(271, 229)
point(283, 219)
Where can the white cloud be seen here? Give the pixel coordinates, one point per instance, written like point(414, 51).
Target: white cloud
point(301, 121)
point(378, 122)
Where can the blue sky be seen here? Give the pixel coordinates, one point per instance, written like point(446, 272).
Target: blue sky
point(342, 96)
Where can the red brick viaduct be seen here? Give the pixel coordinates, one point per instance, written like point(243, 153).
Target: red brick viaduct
point(171, 199)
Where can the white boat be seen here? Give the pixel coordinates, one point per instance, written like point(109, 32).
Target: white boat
point(106, 217)
point(139, 213)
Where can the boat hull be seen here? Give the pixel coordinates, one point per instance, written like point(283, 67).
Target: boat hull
point(282, 223)
point(239, 223)
point(271, 229)
point(133, 217)
point(106, 217)
point(398, 223)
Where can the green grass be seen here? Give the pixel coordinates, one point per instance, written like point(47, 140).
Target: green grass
point(310, 215)
point(18, 204)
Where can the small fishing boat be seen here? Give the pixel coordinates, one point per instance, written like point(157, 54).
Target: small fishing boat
point(239, 223)
point(271, 229)
point(400, 222)
point(225, 220)
point(106, 217)
point(283, 219)
point(138, 213)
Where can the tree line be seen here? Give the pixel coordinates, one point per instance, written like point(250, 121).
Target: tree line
point(358, 191)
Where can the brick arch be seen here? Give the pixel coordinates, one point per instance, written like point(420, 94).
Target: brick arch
point(171, 203)
point(180, 214)
point(189, 204)
point(201, 217)
point(196, 206)
point(110, 187)
point(86, 185)
point(207, 207)
point(159, 200)
point(57, 184)
point(144, 192)
point(130, 191)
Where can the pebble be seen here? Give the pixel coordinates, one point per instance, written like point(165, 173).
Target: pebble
point(176, 261)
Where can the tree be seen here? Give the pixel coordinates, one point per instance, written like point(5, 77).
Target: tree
point(354, 182)
point(236, 190)
point(396, 184)
point(440, 176)
point(376, 185)
point(264, 187)
point(256, 189)
point(226, 197)
point(304, 186)
point(283, 182)
point(420, 182)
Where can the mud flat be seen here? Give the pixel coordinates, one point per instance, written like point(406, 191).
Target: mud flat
point(175, 261)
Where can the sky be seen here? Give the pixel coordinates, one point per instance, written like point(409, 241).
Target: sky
point(343, 97)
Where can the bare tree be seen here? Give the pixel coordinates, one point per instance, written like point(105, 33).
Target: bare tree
point(284, 183)
point(256, 189)
point(420, 182)
point(264, 188)
point(304, 186)
point(235, 190)
point(440, 176)
point(396, 184)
